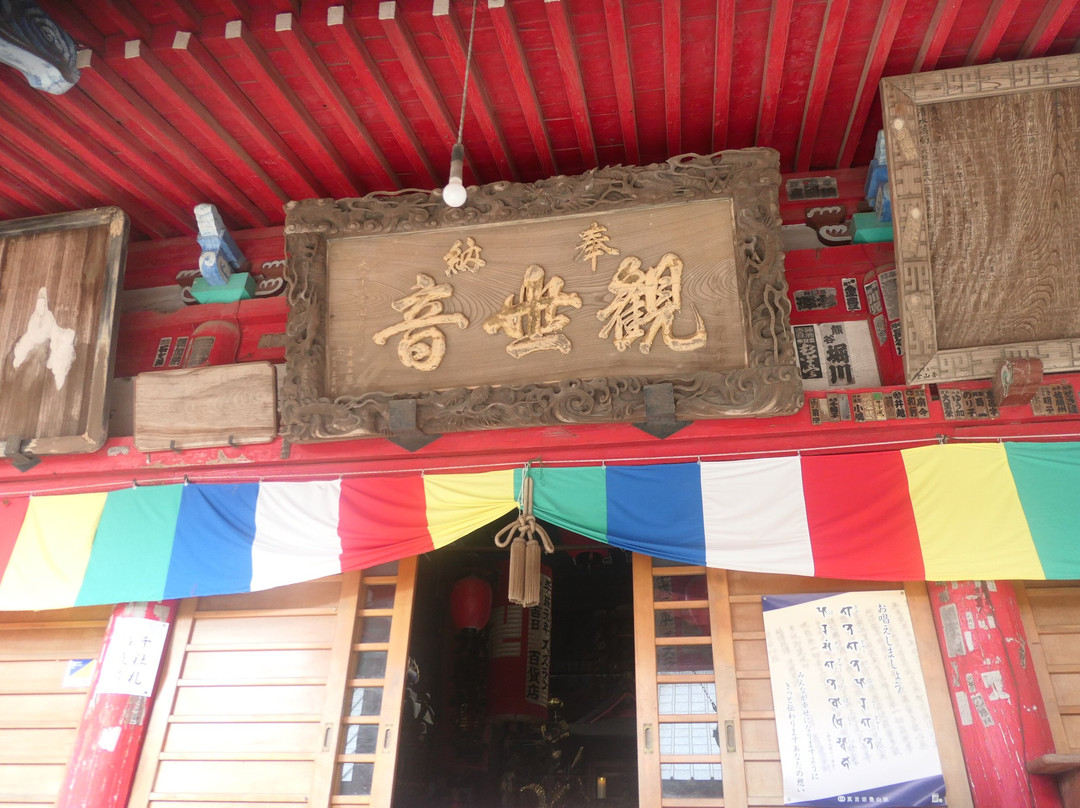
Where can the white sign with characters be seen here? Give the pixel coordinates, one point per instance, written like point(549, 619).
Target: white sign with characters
point(851, 711)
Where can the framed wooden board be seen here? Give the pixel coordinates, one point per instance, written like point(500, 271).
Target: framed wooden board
point(983, 164)
point(555, 302)
point(218, 405)
point(59, 280)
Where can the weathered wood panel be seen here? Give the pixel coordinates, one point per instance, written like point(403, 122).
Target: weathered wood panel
point(206, 406)
point(59, 280)
point(982, 163)
point(1004, 232)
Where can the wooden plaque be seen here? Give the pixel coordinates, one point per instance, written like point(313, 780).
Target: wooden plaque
point(984, 163)
point(59, 280)
point(560, 301)
point(192, 408)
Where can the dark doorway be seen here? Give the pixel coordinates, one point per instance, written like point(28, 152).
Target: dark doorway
point(464, 740)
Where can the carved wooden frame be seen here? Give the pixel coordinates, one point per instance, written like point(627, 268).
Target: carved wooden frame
point(901, 98)
point(768, 385)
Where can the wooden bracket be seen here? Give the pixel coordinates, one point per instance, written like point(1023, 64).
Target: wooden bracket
point(22, 461)
point(660, 419)
point(403, 429)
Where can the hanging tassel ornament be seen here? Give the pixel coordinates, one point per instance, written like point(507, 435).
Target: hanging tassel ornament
point(525, 537)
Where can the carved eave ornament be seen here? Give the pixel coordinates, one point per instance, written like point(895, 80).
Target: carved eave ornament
point(769, 384)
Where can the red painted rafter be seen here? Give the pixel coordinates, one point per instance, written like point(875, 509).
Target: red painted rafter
point(183, 14)
point(938, 31)
point(479, 100)
point(518, 70)
point(189, 56)
point(74, 24)
point(235, 9)
point(563, 35)
point(725, 53)
point(311, 67)
point(880, 44)
point(368, 76)
point(197, 124)
point(123, 15)
point(775, 53)
point(101, 127)
point(615, 23)
point(19, 199)
point(14, 206)
point(401, 40)
point(289, 113)
point(993, 29)
point(1046, 29)
point(672, 33)
point(101, 83)
point(23, 166)
point(49, 155)
point(132, 191)
point(828, 42)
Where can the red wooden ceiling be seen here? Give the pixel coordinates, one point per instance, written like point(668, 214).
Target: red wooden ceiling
point(250, 103)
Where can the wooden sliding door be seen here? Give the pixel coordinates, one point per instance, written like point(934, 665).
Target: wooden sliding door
point(285, 697)
point(706, 726)
point(42, 697)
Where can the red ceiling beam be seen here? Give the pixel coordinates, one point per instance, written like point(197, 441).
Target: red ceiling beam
point(102, 127)
point(74, 24)
point(401, 40)
point(479, 100)
point(50, 156)
point(101, 83)
point(183, 13)
point(124, 16)
point(518, 70)
point(936, 33)
point(993, 29)
point(189, 56)
point(19, 199)
point(235, 9)
point(200, 127)
point(671, 23)
point(775, 53)
point(1046, 28)
point(311, 67)
point(725, 54)
point(285, 111)
point(884, 32)
point(825, 58)
point(26, 167)
point(624, 77)
point(570, 65)
point(367, 74)
point(133, 193)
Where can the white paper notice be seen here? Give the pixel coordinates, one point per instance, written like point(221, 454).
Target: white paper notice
point(852, 716)
point(132, 657)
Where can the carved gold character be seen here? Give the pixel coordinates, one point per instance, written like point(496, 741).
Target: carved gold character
point(594, 243)
point(458, 259)
point(422, 345)
point(645, 304)
point(534, 322)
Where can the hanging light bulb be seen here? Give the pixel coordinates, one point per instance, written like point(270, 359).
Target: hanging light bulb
point(454, 193)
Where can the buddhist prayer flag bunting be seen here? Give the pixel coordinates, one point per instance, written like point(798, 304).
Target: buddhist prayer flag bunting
point(949, 512)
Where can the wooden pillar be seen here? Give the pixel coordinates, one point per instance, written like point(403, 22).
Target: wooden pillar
point(994, 692)
point(100, 772)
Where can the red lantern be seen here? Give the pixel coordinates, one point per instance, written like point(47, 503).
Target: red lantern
point(470, 603)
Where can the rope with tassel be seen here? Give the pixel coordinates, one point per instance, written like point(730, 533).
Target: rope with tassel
point(525, 537)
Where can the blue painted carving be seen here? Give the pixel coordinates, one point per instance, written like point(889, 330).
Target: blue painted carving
point(37, 47)
point(220, 257)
